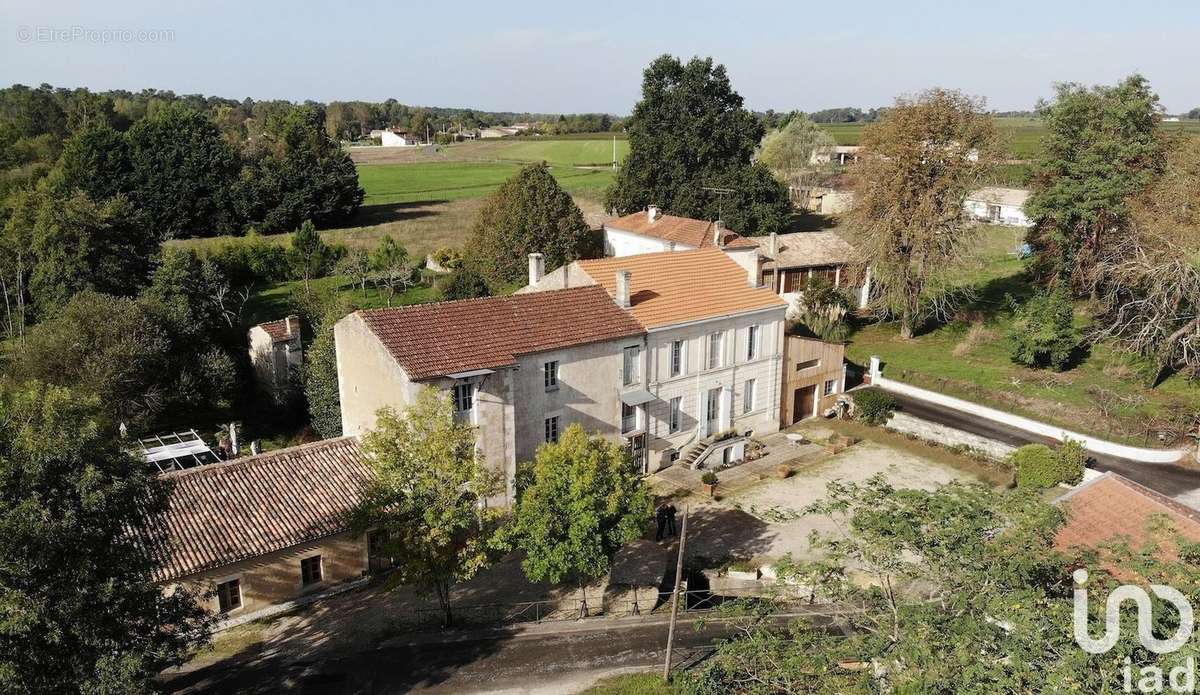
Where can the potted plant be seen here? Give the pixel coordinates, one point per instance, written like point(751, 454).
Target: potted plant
point(709, 479)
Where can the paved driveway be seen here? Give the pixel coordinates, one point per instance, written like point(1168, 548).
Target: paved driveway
point(1178, 482)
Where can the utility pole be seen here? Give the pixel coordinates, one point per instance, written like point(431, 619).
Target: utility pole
point(675, 597)
point(614, 153)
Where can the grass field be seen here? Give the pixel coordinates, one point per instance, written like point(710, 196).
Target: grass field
point(1023, 135)
point(970, 358)
point(447, 181)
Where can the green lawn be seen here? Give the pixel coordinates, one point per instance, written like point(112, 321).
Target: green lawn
point(970, 358)
point(272, 301)
point(447, 181)
point(571, 152)
point(1023, 135)
point(632, 684)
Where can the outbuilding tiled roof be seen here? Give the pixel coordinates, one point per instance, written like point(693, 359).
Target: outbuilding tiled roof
point(803, 249)
point(283, 329)
point(698, 234)
point(1113, 507)
point(680, 286)
point(227, 512)
point(430, 340)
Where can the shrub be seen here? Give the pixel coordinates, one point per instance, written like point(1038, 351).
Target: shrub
point(1043, 333)
point(873, 406)
point(1037, 465)
point(709, 478)
point(462, 283)
point(447, 257)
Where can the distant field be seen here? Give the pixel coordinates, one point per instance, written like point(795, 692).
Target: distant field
point(1023, 134)
point(449, 180)
point(573, 152)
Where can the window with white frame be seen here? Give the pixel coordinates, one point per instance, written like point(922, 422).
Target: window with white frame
point(551, 430)
point(714, 349)
point(631, 369)
point(229, 595)
point(464, 400)
point(752, 343)
point(748, 395)
point(677, 357)
point(550, 375)
point(675, 417)
point(830, 387)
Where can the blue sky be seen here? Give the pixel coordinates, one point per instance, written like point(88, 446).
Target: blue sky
point(574, 57)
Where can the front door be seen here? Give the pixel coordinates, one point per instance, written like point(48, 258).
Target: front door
point(803, 402)
point(712, 412)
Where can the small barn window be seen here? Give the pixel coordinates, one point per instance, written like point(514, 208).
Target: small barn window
point(310, 570)
point(229, 595)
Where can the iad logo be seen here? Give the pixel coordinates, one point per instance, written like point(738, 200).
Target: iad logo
point(1181, 679)
point(1112, 617)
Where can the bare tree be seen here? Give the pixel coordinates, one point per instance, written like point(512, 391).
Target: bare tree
point(916, 167)
point(357, 264)
point(1149, 280)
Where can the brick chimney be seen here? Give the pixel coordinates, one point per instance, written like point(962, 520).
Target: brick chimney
point(537, 268)
point(718, 231)
point(287, 324)
point(653, 213)
point(624, 279)
point(773, 247)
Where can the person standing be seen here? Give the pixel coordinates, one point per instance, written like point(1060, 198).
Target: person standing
point(660, 516)
point(671, 512)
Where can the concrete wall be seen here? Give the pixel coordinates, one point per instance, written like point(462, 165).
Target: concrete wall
point(693, 384)
point(831, 366)
point(621, 243)
point(1009, 214)
point(275, 578)
point(1093, 444)
point(274, 363)
point(589, 378)
point(369, 378)
point(948, 436)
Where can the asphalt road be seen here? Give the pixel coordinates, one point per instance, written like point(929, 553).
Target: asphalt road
point(1168, 479)
point(544, 663)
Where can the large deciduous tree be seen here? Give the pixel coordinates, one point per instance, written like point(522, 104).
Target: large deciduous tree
point(298, 174)
point(427, 499)
point(81, 610)
point(1150, 289)
point(956, 590)
point(584, 500)
point(183, 173)
point(796, 148)
point(917, 165)
point(1102, 146)
point(690, 132)
point(528, 213)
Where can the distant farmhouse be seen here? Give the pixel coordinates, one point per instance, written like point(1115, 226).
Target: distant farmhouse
point(998, 205)
point(399, 138)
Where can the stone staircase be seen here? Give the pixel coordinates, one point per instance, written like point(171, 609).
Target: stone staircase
point(692, 456)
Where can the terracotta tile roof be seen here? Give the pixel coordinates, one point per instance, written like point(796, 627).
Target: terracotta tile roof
point(227, 512)
point(681, 286)
point(1113, 507)
point(803, 249)
point(697, 234)
point(430, 340)
point(279, 330)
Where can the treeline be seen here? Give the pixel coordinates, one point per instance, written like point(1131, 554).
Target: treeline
point(353, 120)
